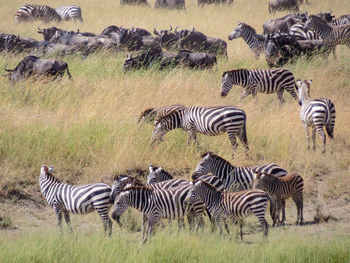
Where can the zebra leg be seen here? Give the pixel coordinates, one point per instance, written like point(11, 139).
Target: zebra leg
point(307, 136)
point(278, 210)
point(181, 223)
point(299, 204)
point(280, 96)
point(314, 138)
point(107, 223)
point(233, 140)
point(261, 217)
point(323, 136)
point(67, 219)
point(283, 202)
point(58, 211)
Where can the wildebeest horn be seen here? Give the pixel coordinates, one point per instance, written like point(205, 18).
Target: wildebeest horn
point(39, 30)
point(8, 70)
point(78, 30)
point(330, 11)
point(171, 28)
point(193, 29)
point(175, 30)
point(155, 31)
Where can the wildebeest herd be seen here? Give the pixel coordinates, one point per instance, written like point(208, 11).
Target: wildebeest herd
point(218, 189)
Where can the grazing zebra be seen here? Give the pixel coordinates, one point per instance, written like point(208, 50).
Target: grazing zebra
point(342, 20)
point(234, 205)
point(154, 204)
point(280, 189)
point(299, 31)
point(206, 120)
point(158, 174)
point(332, 35)
point(259, 80)
point(249, 35)
point(82, 199)
point(121, 182)
point(152, 114)
point(233, 177)
point(315, 113)
point(71, 12)
point(28, 13)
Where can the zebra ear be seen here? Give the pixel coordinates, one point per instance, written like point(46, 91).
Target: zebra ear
point(310, 81)
point(150, 168)
point(159, 169)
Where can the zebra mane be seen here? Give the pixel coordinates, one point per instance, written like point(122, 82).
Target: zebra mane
point(217, 157)
point(232, 71)
point(138, 187)
point(248, 27)
point(210, 186)
point(318, 20)
point(163, 171)
point(146, 113)
point(270, 177)
point(130, 179)
point(161, 117)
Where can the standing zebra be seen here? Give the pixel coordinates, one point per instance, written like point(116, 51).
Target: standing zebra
point(152, 114)
point(234, 205)
point(29, 13)
point(331, 35)
point(315, 113)
point(259, 80)
point(249, 35)
point(83, 199)
point(280, 189)
point(206, 120)
point(154, 204)
point(71, 12)
point(234, 177)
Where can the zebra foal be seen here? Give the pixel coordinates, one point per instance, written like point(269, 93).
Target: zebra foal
point(317, 114)
point(71, 12)
point(82, 199)
point(206, 120)
point(259, 80)
point(29, 13)
point(249, 35)
point(282, 188)
point(238, 205)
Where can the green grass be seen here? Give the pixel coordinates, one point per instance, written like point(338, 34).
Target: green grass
point(172, 246)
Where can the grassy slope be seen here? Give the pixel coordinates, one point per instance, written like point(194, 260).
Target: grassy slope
point(87, 128)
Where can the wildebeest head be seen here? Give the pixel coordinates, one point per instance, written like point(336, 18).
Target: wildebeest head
point(167, 37)
point(327, 16)
point(271, 49)
point(110, 29)
point(51, 33)
point(129, 63)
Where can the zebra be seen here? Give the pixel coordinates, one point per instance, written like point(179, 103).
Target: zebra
point(342, 20)
point(206, 120)
point(249, 35)
point(154, 204)
point(280, 189)
point(28, 13)
point(298, 31)
point(65, 198)
point(332, 35)
point(315, 113)
point(121, 182)
point(71, 12)
point(158, 174)
point(234, 178)
point(152, 114)
point(234, 205)
point(259, 80)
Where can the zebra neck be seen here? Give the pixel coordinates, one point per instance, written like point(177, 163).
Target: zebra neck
point(176, 120)
point(249, 37)
point(46, 182)
point(323, 31)
point(140, 199)
point(211, 197)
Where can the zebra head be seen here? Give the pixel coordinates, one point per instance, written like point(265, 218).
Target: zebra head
point(159, 132)
point(121, 204)
point(204, 166)
point(226, 84)
point(119, 183)
point(303, 90)
point(192, 195)
point(262, 180)
point(237, 32)
point(157, 175)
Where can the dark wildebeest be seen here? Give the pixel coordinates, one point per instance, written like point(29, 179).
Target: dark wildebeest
point(283, 24)
point(134, 2)
point(170, 4)
point(167, 38)
point(32, 66)
point(144, 60)
point(195, 60)
point(53, 34)
point(17, 44)
point(281, 5)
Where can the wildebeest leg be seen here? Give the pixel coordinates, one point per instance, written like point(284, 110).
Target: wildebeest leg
point(69, 75)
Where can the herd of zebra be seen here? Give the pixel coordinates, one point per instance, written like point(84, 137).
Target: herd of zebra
point(217, 189)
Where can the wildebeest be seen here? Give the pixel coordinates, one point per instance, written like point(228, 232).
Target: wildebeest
point(196, 60)
point(170, 4)
point(281, 5)
point(53, 34)
point(17, 44)
point(32, 66)
point(134, 2)
point(208, 2)
point(283, 24)
point(167, 38)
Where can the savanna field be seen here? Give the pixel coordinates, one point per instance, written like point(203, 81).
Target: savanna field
point(87, 128)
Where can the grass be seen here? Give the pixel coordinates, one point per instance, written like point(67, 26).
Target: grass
point(87, 129)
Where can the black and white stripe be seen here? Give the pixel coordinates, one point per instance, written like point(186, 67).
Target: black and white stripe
point(235, 178)
point(238, 205)
point(331, 35)
point(206, 120)
point(317, 114)
point(154, 204)
point(299, 31)
point(282, 188)
point(259, 80)
point(342, 20)
point(28, 13)
point(71, 12)
point(249, 35)
point(82, 199)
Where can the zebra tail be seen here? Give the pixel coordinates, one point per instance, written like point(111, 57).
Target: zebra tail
point(331, 120)
point(244, 134)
